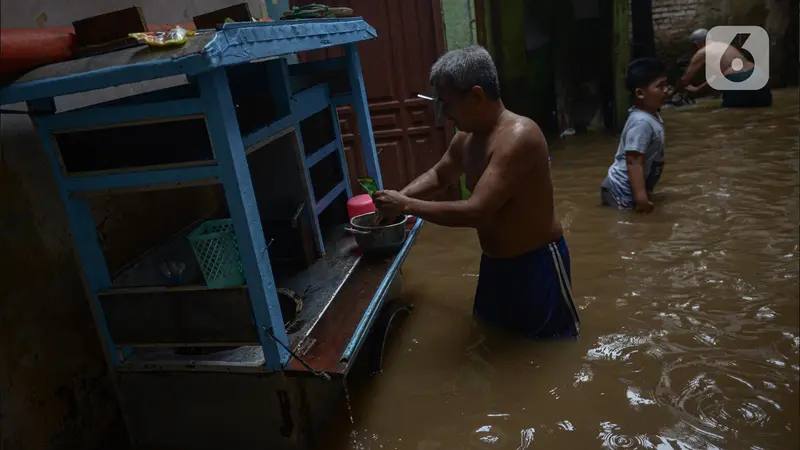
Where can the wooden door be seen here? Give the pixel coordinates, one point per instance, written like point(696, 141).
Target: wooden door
point(396, 67)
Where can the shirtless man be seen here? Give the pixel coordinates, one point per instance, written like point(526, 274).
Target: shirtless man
point(524, 282)
point(733, 65)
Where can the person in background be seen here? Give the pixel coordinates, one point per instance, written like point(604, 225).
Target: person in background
point(639, 160)
point(733, 65)
point(524, 284)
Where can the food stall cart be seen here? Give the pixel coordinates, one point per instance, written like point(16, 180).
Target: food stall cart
point(201, 358)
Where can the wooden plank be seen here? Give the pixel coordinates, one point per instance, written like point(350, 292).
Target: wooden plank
point(324, 346)
point(621, 54)
point(334, 330)
point(210, 20)
point(180, 316)
point(105, 28)
point(235, 176)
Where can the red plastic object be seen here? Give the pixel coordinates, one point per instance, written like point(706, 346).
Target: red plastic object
point(22, 49)
point(360, 204)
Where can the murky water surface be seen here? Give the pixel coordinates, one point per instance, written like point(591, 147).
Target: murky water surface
point(689, 316)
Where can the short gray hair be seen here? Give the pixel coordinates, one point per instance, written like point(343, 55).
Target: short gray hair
point(699, 36)
point(466, 67)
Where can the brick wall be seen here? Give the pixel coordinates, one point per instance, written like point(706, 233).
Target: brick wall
point(671, 14)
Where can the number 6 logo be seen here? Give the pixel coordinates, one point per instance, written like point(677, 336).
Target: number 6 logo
point(736, 79)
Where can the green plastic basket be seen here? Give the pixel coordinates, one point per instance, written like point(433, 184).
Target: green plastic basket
point(214, 246)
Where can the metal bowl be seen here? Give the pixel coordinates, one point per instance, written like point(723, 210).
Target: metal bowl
point(380, 239)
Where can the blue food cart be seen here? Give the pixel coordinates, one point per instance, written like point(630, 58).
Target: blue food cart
point(202, 359)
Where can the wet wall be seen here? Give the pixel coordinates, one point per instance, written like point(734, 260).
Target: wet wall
point(55, 390)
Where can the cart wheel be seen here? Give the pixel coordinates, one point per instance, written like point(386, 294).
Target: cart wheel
point(392, 316)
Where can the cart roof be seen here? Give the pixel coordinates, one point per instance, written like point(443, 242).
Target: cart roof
point(234, 43)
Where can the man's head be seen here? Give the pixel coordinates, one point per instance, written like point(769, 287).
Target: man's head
point(466, 85)
point(647, 81)
point(699, 37)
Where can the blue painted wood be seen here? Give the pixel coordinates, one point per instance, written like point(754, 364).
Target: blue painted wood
point(361, 107)
point(378, 299)
point(112, 115)
point(310, 101)
point(303, 105)
point(330, 197)
point(265, 39)
point(84, 235)
point(255, 138)
point(180, 92)
point(277, 71)
point(340, 149)
point(99, 79)
point(310, 189)
point(315, 67)
point(342, 99)
point(240, 196)
point(139, 179)
point(234, 44)
point(320, 154)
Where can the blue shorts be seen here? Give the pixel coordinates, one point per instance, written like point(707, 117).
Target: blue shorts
point(529, 294)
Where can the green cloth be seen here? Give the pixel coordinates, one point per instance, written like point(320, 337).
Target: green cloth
point(465, 193)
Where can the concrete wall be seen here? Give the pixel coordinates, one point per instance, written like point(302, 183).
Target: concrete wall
point(55, 391)
point(459, 23)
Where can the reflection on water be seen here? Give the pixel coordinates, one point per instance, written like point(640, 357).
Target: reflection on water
point(689, 316)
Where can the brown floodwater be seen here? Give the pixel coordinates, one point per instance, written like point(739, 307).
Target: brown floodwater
point(689, 316)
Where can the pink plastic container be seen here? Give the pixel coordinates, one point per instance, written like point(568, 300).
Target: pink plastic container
point(360, 204)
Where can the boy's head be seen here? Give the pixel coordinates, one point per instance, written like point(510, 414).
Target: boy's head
point(699, 37)
point(647, 81)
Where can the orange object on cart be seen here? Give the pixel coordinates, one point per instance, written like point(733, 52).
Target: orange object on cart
point(23, 49)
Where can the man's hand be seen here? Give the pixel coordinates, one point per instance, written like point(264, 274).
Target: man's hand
point(390, 203)
point(692, 89)
point(644, 207)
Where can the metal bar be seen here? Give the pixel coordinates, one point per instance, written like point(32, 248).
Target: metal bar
point(329, 197)
point(361, 107)
point(380, 295)
point(139, 179)
point(340, 150)
point(320, 154)
point(98, 117)
point(239, 193)
point(84, 234)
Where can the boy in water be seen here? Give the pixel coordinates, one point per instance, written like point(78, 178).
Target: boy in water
point(640, 156)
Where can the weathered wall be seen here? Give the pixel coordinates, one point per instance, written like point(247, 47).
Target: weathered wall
point(55, 391)
point(459, 25)
point(674, 20)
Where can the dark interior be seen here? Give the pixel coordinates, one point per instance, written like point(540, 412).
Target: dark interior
point(317, 131)
point(132, 146)
point(252, 96)
point(278, 183)
point(326, 174)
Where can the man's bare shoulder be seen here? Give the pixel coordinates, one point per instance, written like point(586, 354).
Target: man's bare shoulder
point(519, 133)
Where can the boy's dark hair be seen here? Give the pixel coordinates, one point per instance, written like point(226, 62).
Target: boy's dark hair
point(642, 72)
